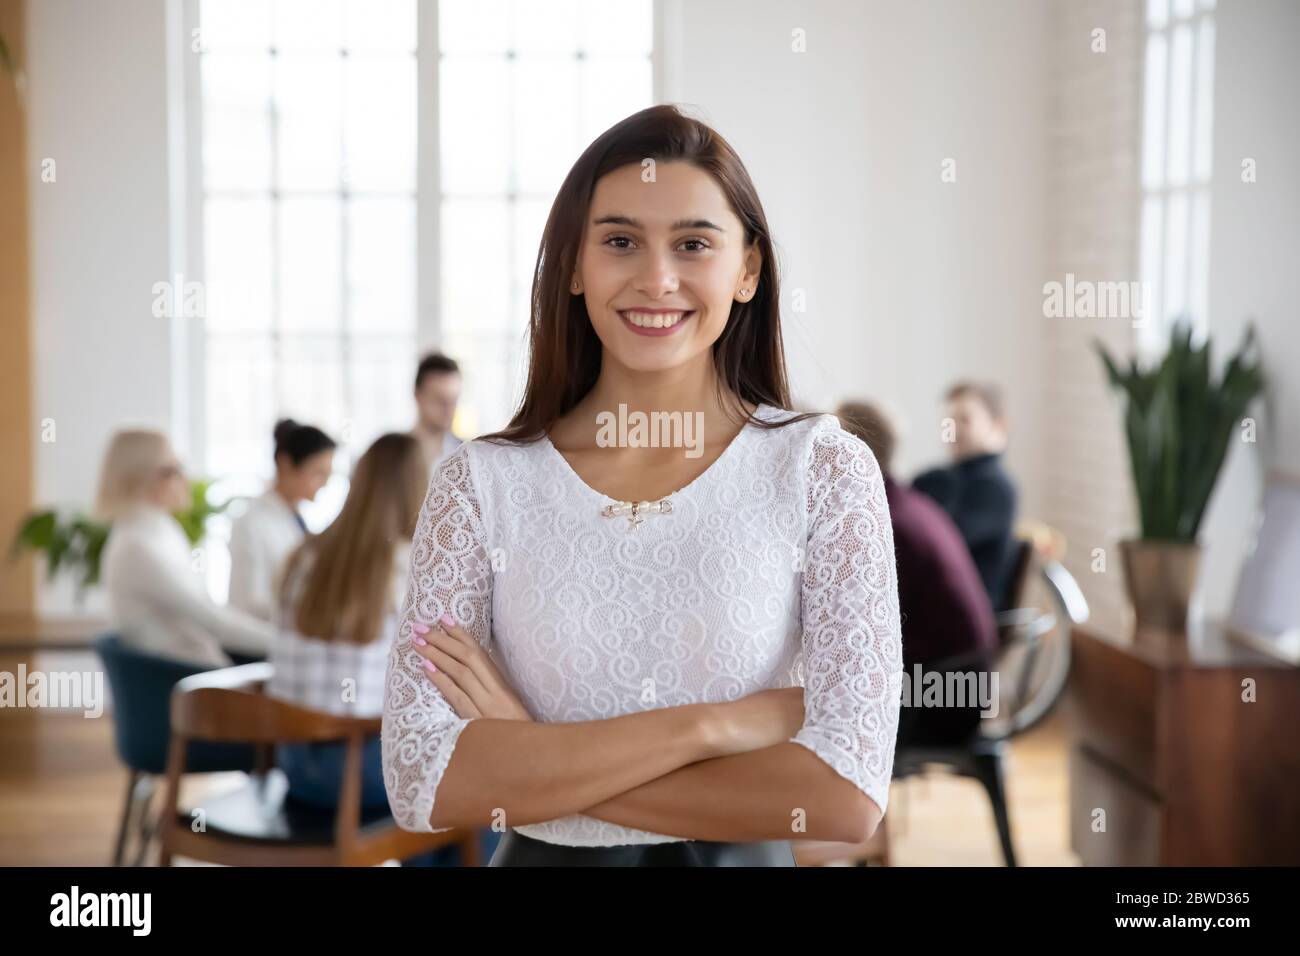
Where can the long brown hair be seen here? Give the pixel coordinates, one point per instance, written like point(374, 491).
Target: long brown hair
point(564, 350)
point(346, 592)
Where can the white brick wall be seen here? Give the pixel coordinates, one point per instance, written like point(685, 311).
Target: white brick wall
point(1094, 204)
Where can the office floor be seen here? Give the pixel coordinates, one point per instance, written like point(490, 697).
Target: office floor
point(61, 793)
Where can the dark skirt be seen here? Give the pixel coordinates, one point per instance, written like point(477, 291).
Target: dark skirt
point(516, 849)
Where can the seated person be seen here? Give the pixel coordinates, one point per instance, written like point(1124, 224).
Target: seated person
point(941, 600)
point(271, 528)
point(975, 490)
point(158, 601)
point(339, 601)
point(437, 391)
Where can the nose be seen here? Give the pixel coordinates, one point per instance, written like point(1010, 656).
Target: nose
point(657, 277)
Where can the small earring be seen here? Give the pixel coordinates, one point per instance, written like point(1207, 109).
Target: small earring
point(574, 287)
point(744, 292)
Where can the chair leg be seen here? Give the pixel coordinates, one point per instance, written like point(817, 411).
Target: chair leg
point(148, 827)
point(988, 771)
point(128, 806)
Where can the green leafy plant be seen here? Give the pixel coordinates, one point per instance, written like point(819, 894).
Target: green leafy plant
point(75, 543)
point(1178, 422)
point(194, 519)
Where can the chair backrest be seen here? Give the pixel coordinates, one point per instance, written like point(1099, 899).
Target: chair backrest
point(228, 706)
point(141, 685)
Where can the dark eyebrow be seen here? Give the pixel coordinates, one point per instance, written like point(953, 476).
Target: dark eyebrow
point(679, 224)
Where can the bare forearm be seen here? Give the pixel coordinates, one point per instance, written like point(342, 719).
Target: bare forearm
point(778, 793)
point(536, 772)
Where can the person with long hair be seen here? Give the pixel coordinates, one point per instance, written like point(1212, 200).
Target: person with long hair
point(339, 599)
point(158, 601)
point(644, 644)
point(264, 536)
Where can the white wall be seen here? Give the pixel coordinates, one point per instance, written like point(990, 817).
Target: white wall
point(1254, 255)
point(97, 101)
point(910, 282)
point(1093, 163)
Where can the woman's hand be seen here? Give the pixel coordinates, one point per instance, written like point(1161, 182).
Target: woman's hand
point(762, 719)
point(462, 670)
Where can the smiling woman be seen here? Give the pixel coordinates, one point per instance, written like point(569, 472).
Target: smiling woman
point(697, 689)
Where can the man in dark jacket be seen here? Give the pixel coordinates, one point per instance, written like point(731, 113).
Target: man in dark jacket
point(976, 491)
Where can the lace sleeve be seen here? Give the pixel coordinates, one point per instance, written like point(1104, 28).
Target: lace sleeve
point(450, 572)
point(852, 638)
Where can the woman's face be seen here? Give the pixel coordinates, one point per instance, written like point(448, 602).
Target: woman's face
point(661, 264)
point(169, 489)
point(302, 482)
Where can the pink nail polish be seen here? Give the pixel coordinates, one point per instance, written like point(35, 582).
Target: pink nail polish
point(419, 628)
point(419, 641)
point(448, 620)
point(429, 666)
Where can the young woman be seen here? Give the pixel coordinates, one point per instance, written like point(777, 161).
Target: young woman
point(268, 532)
point(338, 615)
point(159, 602)
point(636, 655)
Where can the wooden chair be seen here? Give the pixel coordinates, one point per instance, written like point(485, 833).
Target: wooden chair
point(256, 825)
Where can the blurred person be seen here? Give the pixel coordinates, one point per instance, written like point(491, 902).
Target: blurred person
point(975, 489)
point(945, 610)
point(437, 391)
point(337, 616)
point(271, 527)
point(159, 602)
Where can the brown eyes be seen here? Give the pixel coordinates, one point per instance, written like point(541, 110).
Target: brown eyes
point(625, 242)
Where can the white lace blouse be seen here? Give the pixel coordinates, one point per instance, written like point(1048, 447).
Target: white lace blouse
point(773, 568)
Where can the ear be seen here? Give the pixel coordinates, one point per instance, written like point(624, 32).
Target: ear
point(747, 285)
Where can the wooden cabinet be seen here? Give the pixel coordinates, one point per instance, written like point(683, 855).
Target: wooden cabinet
point(1187, 769)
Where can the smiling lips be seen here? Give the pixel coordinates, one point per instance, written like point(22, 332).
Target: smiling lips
point(655, 321)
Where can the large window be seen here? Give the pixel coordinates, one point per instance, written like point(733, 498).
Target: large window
point(1178, 117)
point(308, 172)
point(361, 202)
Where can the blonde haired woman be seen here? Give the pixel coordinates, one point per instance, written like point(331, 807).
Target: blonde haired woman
point(158, 600)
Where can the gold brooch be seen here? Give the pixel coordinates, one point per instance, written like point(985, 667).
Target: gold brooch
point(635, 510)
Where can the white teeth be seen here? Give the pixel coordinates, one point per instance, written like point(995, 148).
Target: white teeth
point(651, 320)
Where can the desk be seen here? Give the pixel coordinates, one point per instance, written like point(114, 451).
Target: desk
point(1188, 773)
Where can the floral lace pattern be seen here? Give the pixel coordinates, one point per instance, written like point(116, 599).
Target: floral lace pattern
point(774, 568)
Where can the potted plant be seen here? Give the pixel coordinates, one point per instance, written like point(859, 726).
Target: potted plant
point(75, 543)
point(1178, 421)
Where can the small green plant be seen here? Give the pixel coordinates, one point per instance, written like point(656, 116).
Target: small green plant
point(194, 519)
point(1178, 422)
point(75, 543)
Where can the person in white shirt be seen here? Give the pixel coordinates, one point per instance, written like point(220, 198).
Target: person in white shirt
point(336, 618)
point(271, 527)
point(437, 392)
point(668, 636)
point(156, 592)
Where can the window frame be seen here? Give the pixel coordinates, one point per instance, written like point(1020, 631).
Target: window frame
point(1153, 331)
